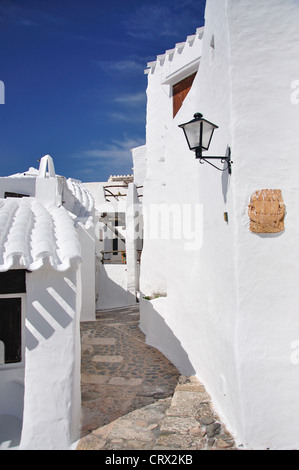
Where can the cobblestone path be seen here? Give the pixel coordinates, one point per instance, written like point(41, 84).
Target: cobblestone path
point(120, 373)
point(134, 398)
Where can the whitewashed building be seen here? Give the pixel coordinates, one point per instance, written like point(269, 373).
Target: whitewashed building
point(45, 277)
point(67, 249)
point(119, 236)
point(227, 297)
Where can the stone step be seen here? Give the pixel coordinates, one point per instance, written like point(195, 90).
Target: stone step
point(185, 421)
point(137, 430)
point(190, 422)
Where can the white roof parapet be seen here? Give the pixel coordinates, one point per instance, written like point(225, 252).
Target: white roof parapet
point(170, 51)
point(34, 236)
point(178, 47)
point(151, 64)
point(32, 172)
point(200, 31)
point(191, 38)
point(120, 177)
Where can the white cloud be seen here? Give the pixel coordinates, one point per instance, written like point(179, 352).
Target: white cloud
point(133, 117)
point(117, 153)
point(130, 65)
point(131, 98)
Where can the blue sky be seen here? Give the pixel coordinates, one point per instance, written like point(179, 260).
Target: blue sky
point(74, 79)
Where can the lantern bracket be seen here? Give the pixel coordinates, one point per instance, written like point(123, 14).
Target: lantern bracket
point(226, 159)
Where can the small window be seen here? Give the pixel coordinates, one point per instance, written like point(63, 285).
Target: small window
point(11, 329)
point(115, 246)
point(179, 92)
point(115, 240)
point(8, 194)
point(13, 282)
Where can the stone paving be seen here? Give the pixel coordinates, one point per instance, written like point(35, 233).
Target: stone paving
point(133, 397)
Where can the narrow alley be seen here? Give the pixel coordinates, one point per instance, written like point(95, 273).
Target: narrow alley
point(134, 398)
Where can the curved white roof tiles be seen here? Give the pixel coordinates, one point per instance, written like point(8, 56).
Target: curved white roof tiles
point(84, 201)
point(33, 236)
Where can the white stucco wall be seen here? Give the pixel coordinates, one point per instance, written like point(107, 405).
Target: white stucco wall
point(139, 164)
point(52, 405)
point(154, 323)
point(232, 303)
point(113, 287)
point(12, 392)
point(88, 272)
point(97, 192)
point(189, 274)
point(134, 226)
point(19, 185)
point(159, 119)
point(201, 307)
point(267, 267)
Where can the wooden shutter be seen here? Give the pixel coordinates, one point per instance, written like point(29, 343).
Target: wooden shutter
point(11, 329)
point(179, 92)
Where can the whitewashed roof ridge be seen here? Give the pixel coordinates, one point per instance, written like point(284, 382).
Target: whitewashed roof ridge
point(178, 48)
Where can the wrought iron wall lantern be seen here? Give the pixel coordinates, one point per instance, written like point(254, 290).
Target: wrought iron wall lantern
point(199, 133)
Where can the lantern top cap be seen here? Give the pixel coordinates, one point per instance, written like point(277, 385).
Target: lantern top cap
point(198, 116)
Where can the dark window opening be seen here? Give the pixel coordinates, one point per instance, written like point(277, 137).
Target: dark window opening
point(179, 92)
point(13, 282)
point(11, 329)
point(115, 246)
point(115, 240)
point(8, 194)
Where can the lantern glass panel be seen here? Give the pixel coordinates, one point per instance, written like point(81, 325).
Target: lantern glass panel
point(207, 133)
point(193, 130)
point(192, 133)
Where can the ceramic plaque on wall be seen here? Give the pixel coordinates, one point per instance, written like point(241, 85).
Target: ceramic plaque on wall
point(266, 211)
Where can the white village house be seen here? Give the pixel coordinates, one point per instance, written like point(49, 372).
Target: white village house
point(119, 235)
point(219, 267)
point(57, 266)
point(46, 288)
